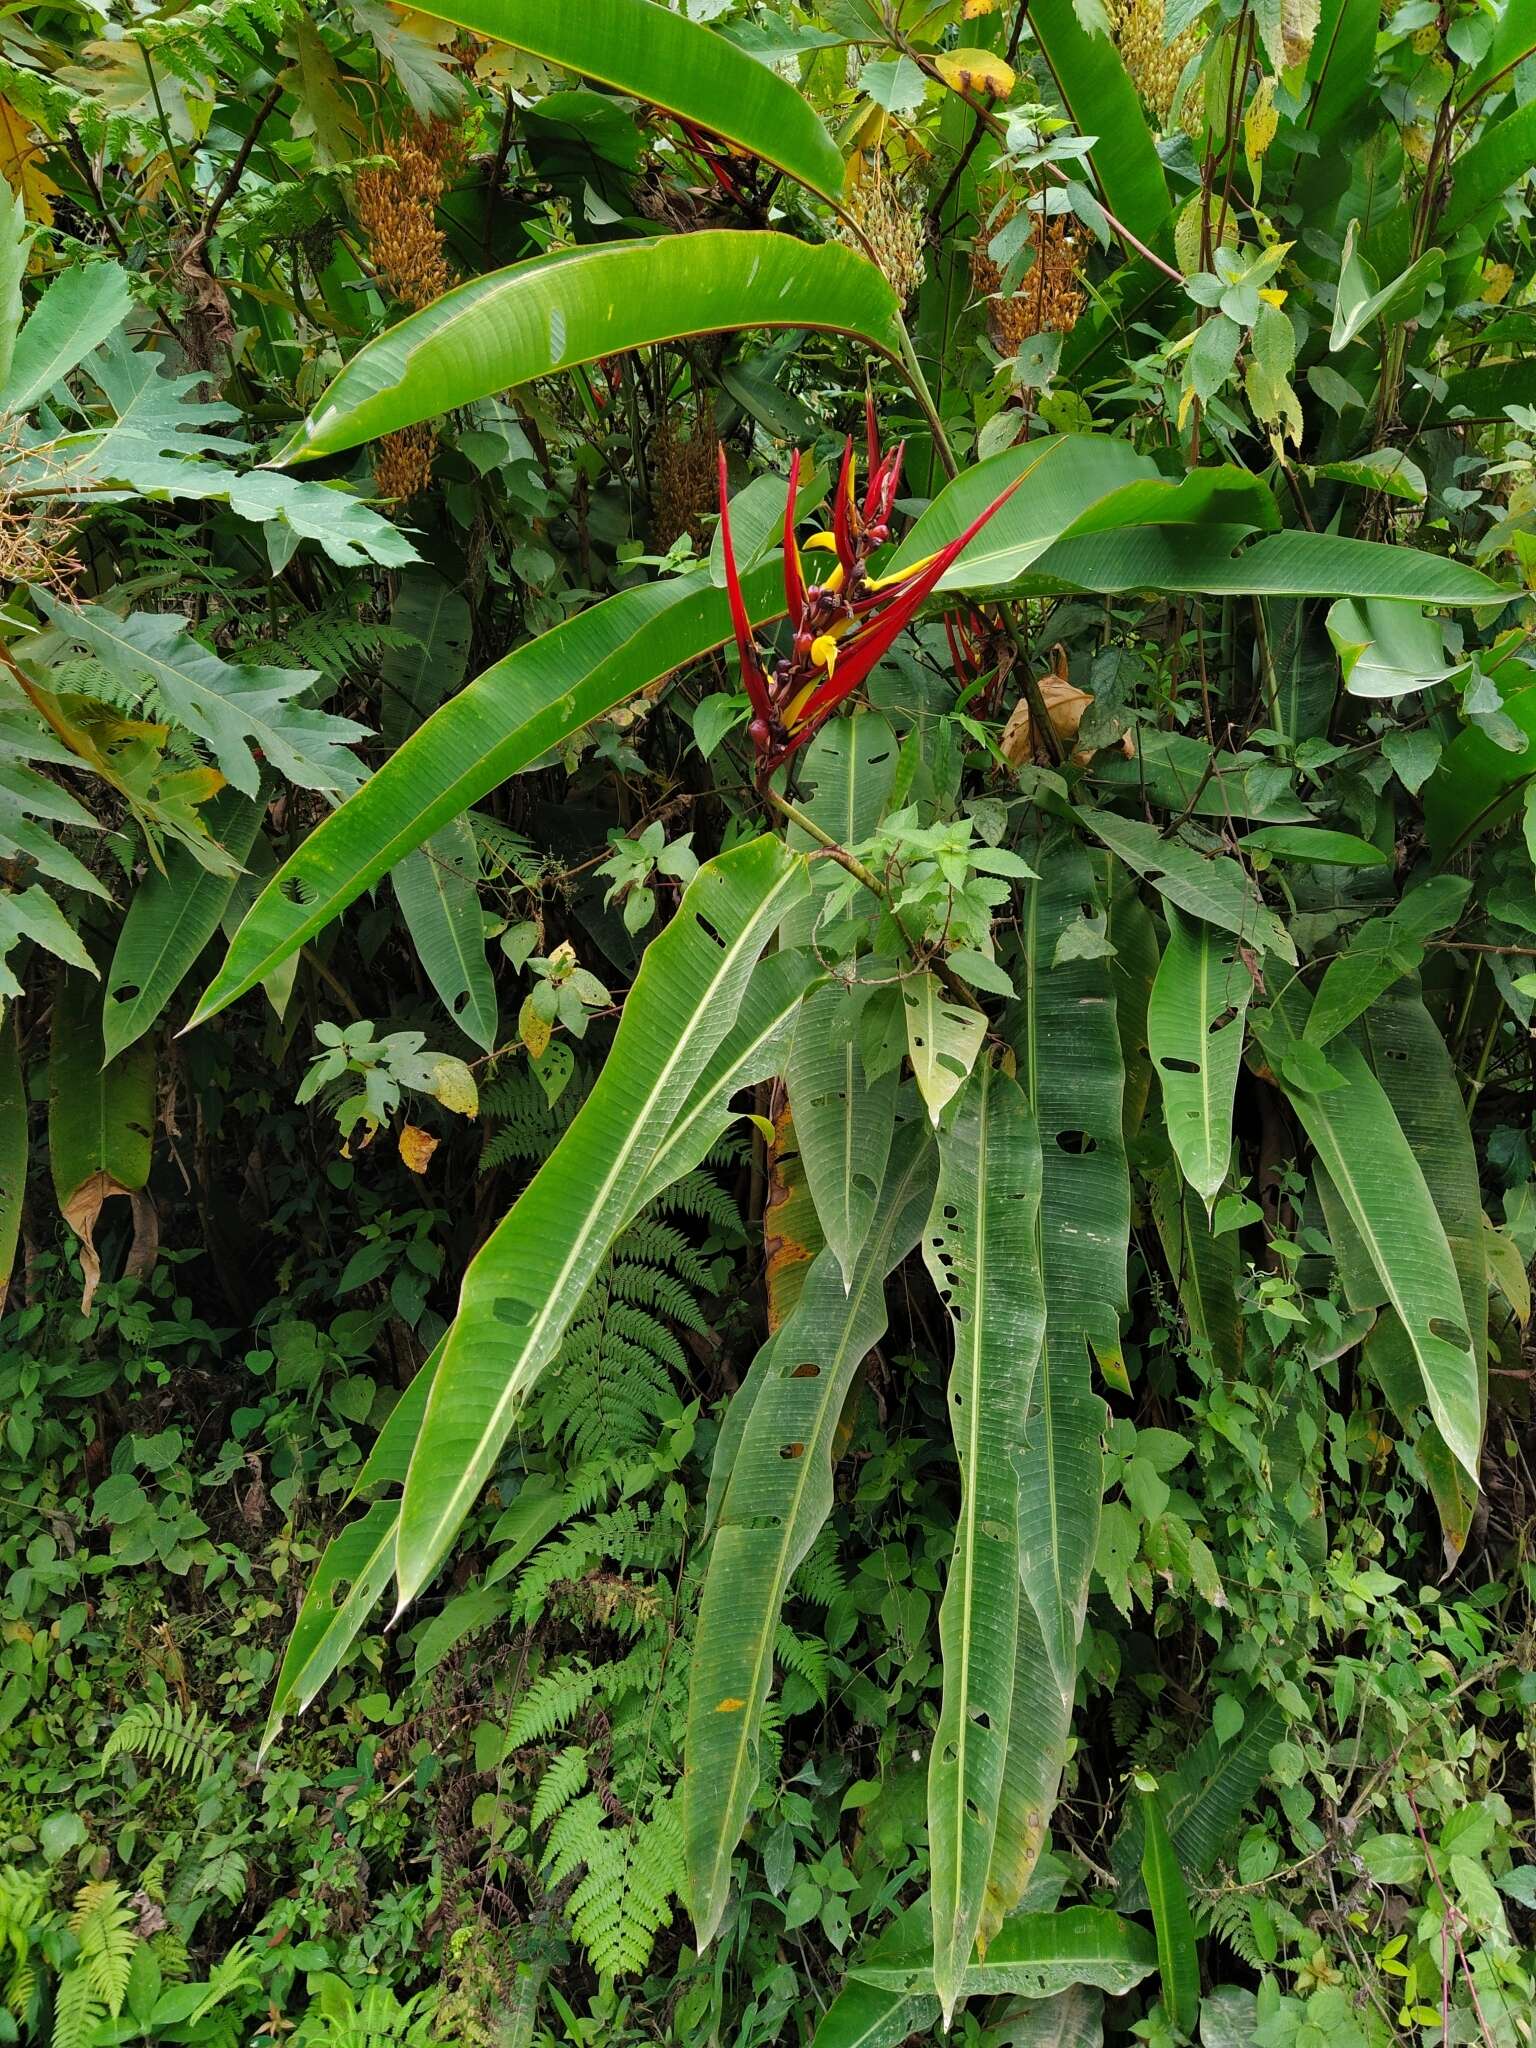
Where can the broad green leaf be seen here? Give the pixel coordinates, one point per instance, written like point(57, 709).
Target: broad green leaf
point(664, 58)
point(943, 1039)
point(1070, 2019)
point(1514, 40)
point(555, 312)
point(863, 2016)
point(1038, 1955)
point(1068, 1046)
point(237, 712)
point(13, 1151)
point(1215, 890)
point(1173, 772)
point(415, 679)
point(101, 1117)
point(1074, 485)
point(495, 727)
point(1417, 1076)
point(438, 893)
point(31, 913)
point(1131, 930)
point(1098, 94)
point(1383, 469)
point(1178, 1963)
point(1388, 650)
point(778, 1496)
point(527, 1280)
point(1360, 1142)
point(1195, 1034)
point(82, 306)
point(982, 1250)
point(1315, 844)
point(173, 915)
point(844, 1122)
point(1223, 562)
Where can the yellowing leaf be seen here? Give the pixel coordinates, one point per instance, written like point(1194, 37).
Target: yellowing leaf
point(975, 71)
point(454, 1086)
point(533, 1029)
point(21, 165)
point(1260, 124)
point(1497, 279)
point(416, 1147)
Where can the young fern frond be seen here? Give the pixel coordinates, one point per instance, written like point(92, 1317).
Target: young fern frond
point(180, 1739)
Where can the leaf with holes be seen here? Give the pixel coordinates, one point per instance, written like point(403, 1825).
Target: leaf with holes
point(525, 1283)
point(437, 890)
point(843, 1122)
point(982, 1249)
point(1195, 1035)
point(1037, 1955)
point(943, 1039)
point(778, 1495)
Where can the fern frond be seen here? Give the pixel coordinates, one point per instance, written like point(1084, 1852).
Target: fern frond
point(559, 1785)
point(181, 1739)
point(552, 1702)
point(626, 1894)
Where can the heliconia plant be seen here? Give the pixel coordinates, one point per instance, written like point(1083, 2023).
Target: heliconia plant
point(997, 1009)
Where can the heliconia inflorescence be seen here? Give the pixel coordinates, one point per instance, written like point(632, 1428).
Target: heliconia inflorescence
point(842, 625)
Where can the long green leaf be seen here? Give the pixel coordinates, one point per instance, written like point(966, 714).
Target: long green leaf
point(1417, 1076)
point(1204, 1800)
point(527, 1280)
point(556, 312)
point(1195, 1032)
point(13, 1151)
point(1361, 1144)
point(1222, 561)
point(664, 58)
point(101, 1115)
point(1177, 1961)
point(1067, 1040)
point(1500, 158)
point(1097, 92)
point(778, 1496)
point(173, 915)
point(1037, 1955)
point(863, 2016)
point(436, 887)
point(494, 728)
point(981, 1247)
point(844, 1123)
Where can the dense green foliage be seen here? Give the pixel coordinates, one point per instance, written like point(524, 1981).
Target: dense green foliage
point(804, 1344)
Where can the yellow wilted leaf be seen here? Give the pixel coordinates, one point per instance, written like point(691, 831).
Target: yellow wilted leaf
point(21, 165)
point(1260, 124)
point(454, 1086)
point(416, 1147)
point(535, 1031)
point(974, 9)
point(1497, 279)
point(975, 71)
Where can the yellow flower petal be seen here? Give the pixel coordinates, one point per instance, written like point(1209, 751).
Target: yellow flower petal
point(824, 652)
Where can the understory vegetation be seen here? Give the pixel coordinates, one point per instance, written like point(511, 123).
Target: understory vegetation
point(768, 944)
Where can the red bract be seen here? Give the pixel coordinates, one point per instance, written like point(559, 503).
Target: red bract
point(839, 628)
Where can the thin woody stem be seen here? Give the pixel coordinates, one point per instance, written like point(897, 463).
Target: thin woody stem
point(871, 881)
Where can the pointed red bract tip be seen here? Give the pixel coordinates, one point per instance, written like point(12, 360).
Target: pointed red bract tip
point(871, 450)
point(794, 582)
point(842, 510)
point(746, 648)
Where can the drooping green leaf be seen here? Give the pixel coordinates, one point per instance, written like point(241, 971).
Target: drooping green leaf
point(1195, 1033)
point(1215, 890)
point(1417, 1076)
point(1206, 1269)
point(1038, 1955)
point(664, 58)
point(555, 312)
point(526, 1282)
point(1067, 1041)
point(1178, 1963)
point(101, 1124)
point(943, 1038)
point(981, 1247)
point(348, 1584)
point(436, 887)
point(1361, 1144)
point(844, 1122)
point(1362, 300)
point(415, 679)
point(173, 915)
point(495, 727)
point(15, 243)
point(1388, 649)
point(778, 1496)
point(1381, 952)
